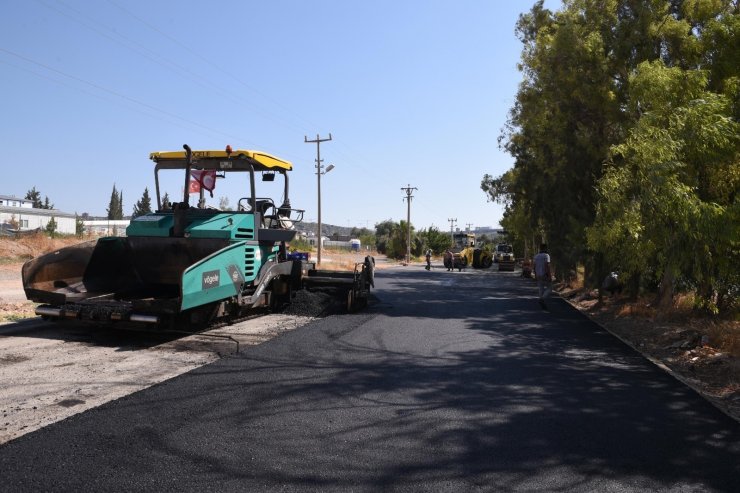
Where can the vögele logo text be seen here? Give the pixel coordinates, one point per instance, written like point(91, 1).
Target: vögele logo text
point(210, 279)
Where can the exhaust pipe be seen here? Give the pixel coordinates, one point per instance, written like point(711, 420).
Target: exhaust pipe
point(47, 311)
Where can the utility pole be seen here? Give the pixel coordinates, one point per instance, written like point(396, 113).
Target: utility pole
point(407, 198)
point(452, 222)
point(319, 166)
point(467, 226)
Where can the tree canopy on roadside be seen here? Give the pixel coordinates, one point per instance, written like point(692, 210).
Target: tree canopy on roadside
point(626, 143)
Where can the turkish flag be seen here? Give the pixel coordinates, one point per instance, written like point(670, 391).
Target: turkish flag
point(205, 179)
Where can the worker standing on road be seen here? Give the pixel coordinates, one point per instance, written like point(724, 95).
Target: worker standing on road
point(448, 260)
point(543, 274)
point(429, 259)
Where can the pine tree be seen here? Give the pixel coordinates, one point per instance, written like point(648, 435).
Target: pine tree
point(115, 203)
point(51, 226)
point(166, 201)
point(119, 213)
point(143, 206)
point(35, 197)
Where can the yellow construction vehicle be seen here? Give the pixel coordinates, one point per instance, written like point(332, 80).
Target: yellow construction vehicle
point(465, 253)
point(505, 257)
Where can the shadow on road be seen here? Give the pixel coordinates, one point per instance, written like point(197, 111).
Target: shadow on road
point(438, 386)
point(515, 393)
point(94, 335)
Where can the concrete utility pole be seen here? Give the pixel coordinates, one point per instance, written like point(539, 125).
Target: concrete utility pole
point(319, 166)
point(453, 222)
point(407, 198)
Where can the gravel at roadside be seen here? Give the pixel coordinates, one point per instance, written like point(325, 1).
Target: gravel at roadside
point(51, 371)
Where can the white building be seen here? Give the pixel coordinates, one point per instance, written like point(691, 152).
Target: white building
point(15, 202)
point(106, 227)
point(20, 214)
point(312, 241)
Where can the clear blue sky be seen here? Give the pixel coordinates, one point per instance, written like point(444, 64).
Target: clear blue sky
point(414, 93)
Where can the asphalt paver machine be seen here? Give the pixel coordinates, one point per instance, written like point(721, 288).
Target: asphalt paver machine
point(186, 265)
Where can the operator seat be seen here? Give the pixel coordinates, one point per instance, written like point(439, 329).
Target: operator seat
point(263, 206)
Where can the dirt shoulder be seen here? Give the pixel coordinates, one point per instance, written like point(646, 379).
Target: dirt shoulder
point(13, 303)
point(13, 253)
point(702, 353)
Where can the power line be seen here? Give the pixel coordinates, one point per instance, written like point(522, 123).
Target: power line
point(196, 78)
point(162, 61)
point(221, 70)
point(119, 95)
point(105, 98)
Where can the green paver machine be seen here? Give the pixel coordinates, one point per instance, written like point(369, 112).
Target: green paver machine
point(186, 265)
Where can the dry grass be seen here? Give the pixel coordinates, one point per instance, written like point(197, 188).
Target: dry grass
point(684, 302)
point(12, 312)
point(342, 260)
point(575, 280)
point(638, 309)
point(340, 265)
point(725, 336)
point(14, 250)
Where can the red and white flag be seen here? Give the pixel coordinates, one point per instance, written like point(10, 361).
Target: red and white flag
point(202, 178)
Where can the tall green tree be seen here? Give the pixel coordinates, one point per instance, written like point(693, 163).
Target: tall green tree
point(392, 238)
point(35, 197)
point(399, 241)
point(115, 206)
point(143, 206)
point(668, 198)
point(435, 240)
point(384, 230)
point(579, 127)
point(561, 126)
point(79, 226)
point(51, 227)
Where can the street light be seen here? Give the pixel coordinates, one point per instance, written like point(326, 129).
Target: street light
point(319, 167)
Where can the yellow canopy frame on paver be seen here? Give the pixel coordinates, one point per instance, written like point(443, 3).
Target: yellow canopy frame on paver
point(259, 160)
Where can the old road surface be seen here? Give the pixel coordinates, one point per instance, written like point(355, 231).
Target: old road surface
point(447, 382)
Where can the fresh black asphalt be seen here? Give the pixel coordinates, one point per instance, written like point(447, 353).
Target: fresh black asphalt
point(449, 381)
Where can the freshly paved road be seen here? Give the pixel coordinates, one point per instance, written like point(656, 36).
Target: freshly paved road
point(449, 382)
